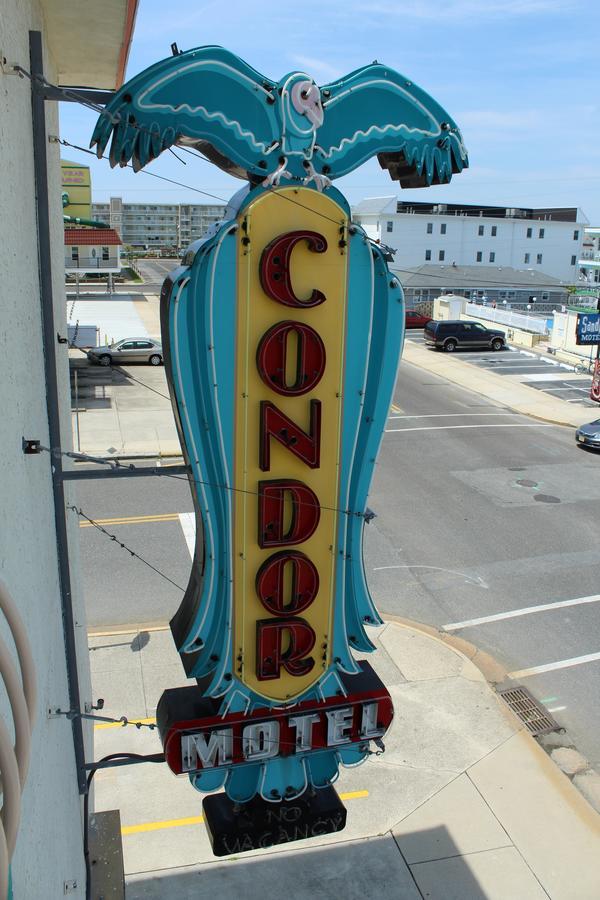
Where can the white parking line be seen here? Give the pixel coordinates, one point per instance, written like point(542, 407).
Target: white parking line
point(524, 611)
point(541, 376)
point(556, 709)
point(188, 526)
point(522, 362)
point(551, 667)
point(483, 425)
point(453, 415)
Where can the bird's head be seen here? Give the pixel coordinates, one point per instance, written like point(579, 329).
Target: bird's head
point(301, 102)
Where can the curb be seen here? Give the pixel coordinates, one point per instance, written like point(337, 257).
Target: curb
point(154, 455)
point(493, 671)
point(585, 780)
point(583, 777)
point(516, 406)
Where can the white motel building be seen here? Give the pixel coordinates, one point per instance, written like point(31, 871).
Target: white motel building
point(548, 241)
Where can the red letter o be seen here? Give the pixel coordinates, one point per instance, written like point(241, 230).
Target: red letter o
point(270, 583)
point(271, 358)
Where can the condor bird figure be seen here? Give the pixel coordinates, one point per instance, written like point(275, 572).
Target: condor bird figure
point(261, 130)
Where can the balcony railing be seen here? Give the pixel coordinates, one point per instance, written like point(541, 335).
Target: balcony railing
point(87, 265)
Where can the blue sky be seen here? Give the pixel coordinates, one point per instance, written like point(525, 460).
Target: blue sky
point(520, 77)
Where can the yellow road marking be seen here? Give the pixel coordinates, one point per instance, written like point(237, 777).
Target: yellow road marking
point(197, 820)
point(133, 520)
point(150, 721)
point(396, 409)
point(158, 826)
point(134, 628)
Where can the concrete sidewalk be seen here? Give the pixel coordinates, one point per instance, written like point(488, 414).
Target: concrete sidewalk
point(506, 390)
point(131, 420)
point(463, 804)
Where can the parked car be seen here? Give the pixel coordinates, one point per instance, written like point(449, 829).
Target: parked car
point(142, 350)
point(589, 435)
point(414, 319)
point(450, 335)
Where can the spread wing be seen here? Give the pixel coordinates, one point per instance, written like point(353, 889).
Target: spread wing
point(375, 110)
point(205, 98)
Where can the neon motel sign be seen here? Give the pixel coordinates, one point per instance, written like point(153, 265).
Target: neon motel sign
point(282, 332)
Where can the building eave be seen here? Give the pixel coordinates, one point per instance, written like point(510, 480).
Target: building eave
point(90, 41)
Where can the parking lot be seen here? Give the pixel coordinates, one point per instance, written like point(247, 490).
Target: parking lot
point(544, 374)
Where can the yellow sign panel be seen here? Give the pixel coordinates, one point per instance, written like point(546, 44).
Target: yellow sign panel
point(271, 216)
point(77, 185)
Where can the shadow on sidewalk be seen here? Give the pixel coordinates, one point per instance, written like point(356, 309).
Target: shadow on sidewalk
point(372, 867)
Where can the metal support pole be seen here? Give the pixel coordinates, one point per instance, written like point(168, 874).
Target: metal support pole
point(52, 396)
point(123, 472)
point(77, 410)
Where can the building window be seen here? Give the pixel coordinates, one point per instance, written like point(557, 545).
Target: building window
point(389, 227)
point(494, 230)
point(430, 228)
point(492, 257)
point(481, 230)
point(443, 228)
point(529, 232)
point(75, 254)
point(527, 258)
point(428, 254)
point(542, 232)
point(545, 297)
point(539, 259)
point(573, 260)
point(479, 256)
point(105, 253)
point(576, 235)
point(441, 255)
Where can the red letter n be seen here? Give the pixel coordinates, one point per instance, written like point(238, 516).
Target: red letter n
point(274, 423)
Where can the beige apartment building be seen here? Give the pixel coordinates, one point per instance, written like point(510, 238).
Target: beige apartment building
point(158, 226)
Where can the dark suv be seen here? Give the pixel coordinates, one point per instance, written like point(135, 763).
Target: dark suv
point(452, 334)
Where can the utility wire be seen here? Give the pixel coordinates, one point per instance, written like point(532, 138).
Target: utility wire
point(116, 119)
point(233, 490)
point(114, 464)
point(442, 277)
point(141, 383)
point(123, 546)
point(122, 720)
point(188, 187)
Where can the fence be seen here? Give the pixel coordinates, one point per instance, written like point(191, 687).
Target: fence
point(508, 317)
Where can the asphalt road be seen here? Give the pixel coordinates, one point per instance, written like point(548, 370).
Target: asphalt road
point(480, 513)
point(153, 271)
point(544, 373)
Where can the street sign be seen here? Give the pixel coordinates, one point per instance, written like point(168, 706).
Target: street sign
point(282, 332)
point(587, 328)
point(595, 387)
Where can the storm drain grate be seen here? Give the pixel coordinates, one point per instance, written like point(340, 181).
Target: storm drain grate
point(533, 716)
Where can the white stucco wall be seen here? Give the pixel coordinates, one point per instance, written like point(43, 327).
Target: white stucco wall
point(49, 846)
point(461, 241)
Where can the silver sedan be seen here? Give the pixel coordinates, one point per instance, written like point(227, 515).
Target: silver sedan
point(128, 350)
